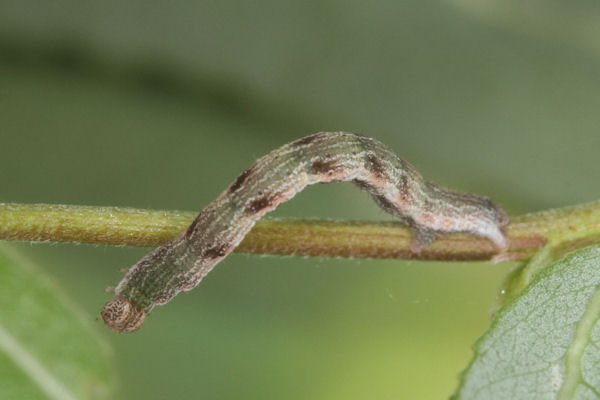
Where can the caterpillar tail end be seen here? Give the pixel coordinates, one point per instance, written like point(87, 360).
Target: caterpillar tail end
point(122, 316)
point(499, 235)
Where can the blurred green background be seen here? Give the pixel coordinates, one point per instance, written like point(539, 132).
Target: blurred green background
point(161, 104)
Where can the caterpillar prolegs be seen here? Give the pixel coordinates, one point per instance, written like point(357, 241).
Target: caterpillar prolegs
point(427, 209)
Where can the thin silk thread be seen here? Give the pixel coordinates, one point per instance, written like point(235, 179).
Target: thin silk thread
point(427, 209)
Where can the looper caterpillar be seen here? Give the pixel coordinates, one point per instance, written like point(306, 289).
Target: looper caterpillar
point(427, 209)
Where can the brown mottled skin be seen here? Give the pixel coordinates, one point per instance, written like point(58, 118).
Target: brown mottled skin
point(426, 208)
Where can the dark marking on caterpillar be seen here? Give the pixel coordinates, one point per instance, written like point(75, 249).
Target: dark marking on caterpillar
point(239, 181)
point(190, 229)
point(427, 209)
point(216, 251)
point(305, 140)
point(261, 203)
point(374, 165)
point(322, 167)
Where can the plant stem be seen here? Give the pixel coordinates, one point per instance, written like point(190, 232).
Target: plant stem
point(135, 227)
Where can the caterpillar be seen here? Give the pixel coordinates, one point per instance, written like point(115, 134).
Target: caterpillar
point(395, 185)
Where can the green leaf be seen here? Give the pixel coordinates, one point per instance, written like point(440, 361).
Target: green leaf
point(48, 349)
point(545, 343)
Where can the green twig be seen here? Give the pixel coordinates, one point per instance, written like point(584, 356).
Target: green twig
point(580, 225)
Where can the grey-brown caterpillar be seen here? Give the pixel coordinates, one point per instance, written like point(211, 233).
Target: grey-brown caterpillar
point(426, 208)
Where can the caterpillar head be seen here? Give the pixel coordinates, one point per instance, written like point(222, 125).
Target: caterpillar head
point(122, 316)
